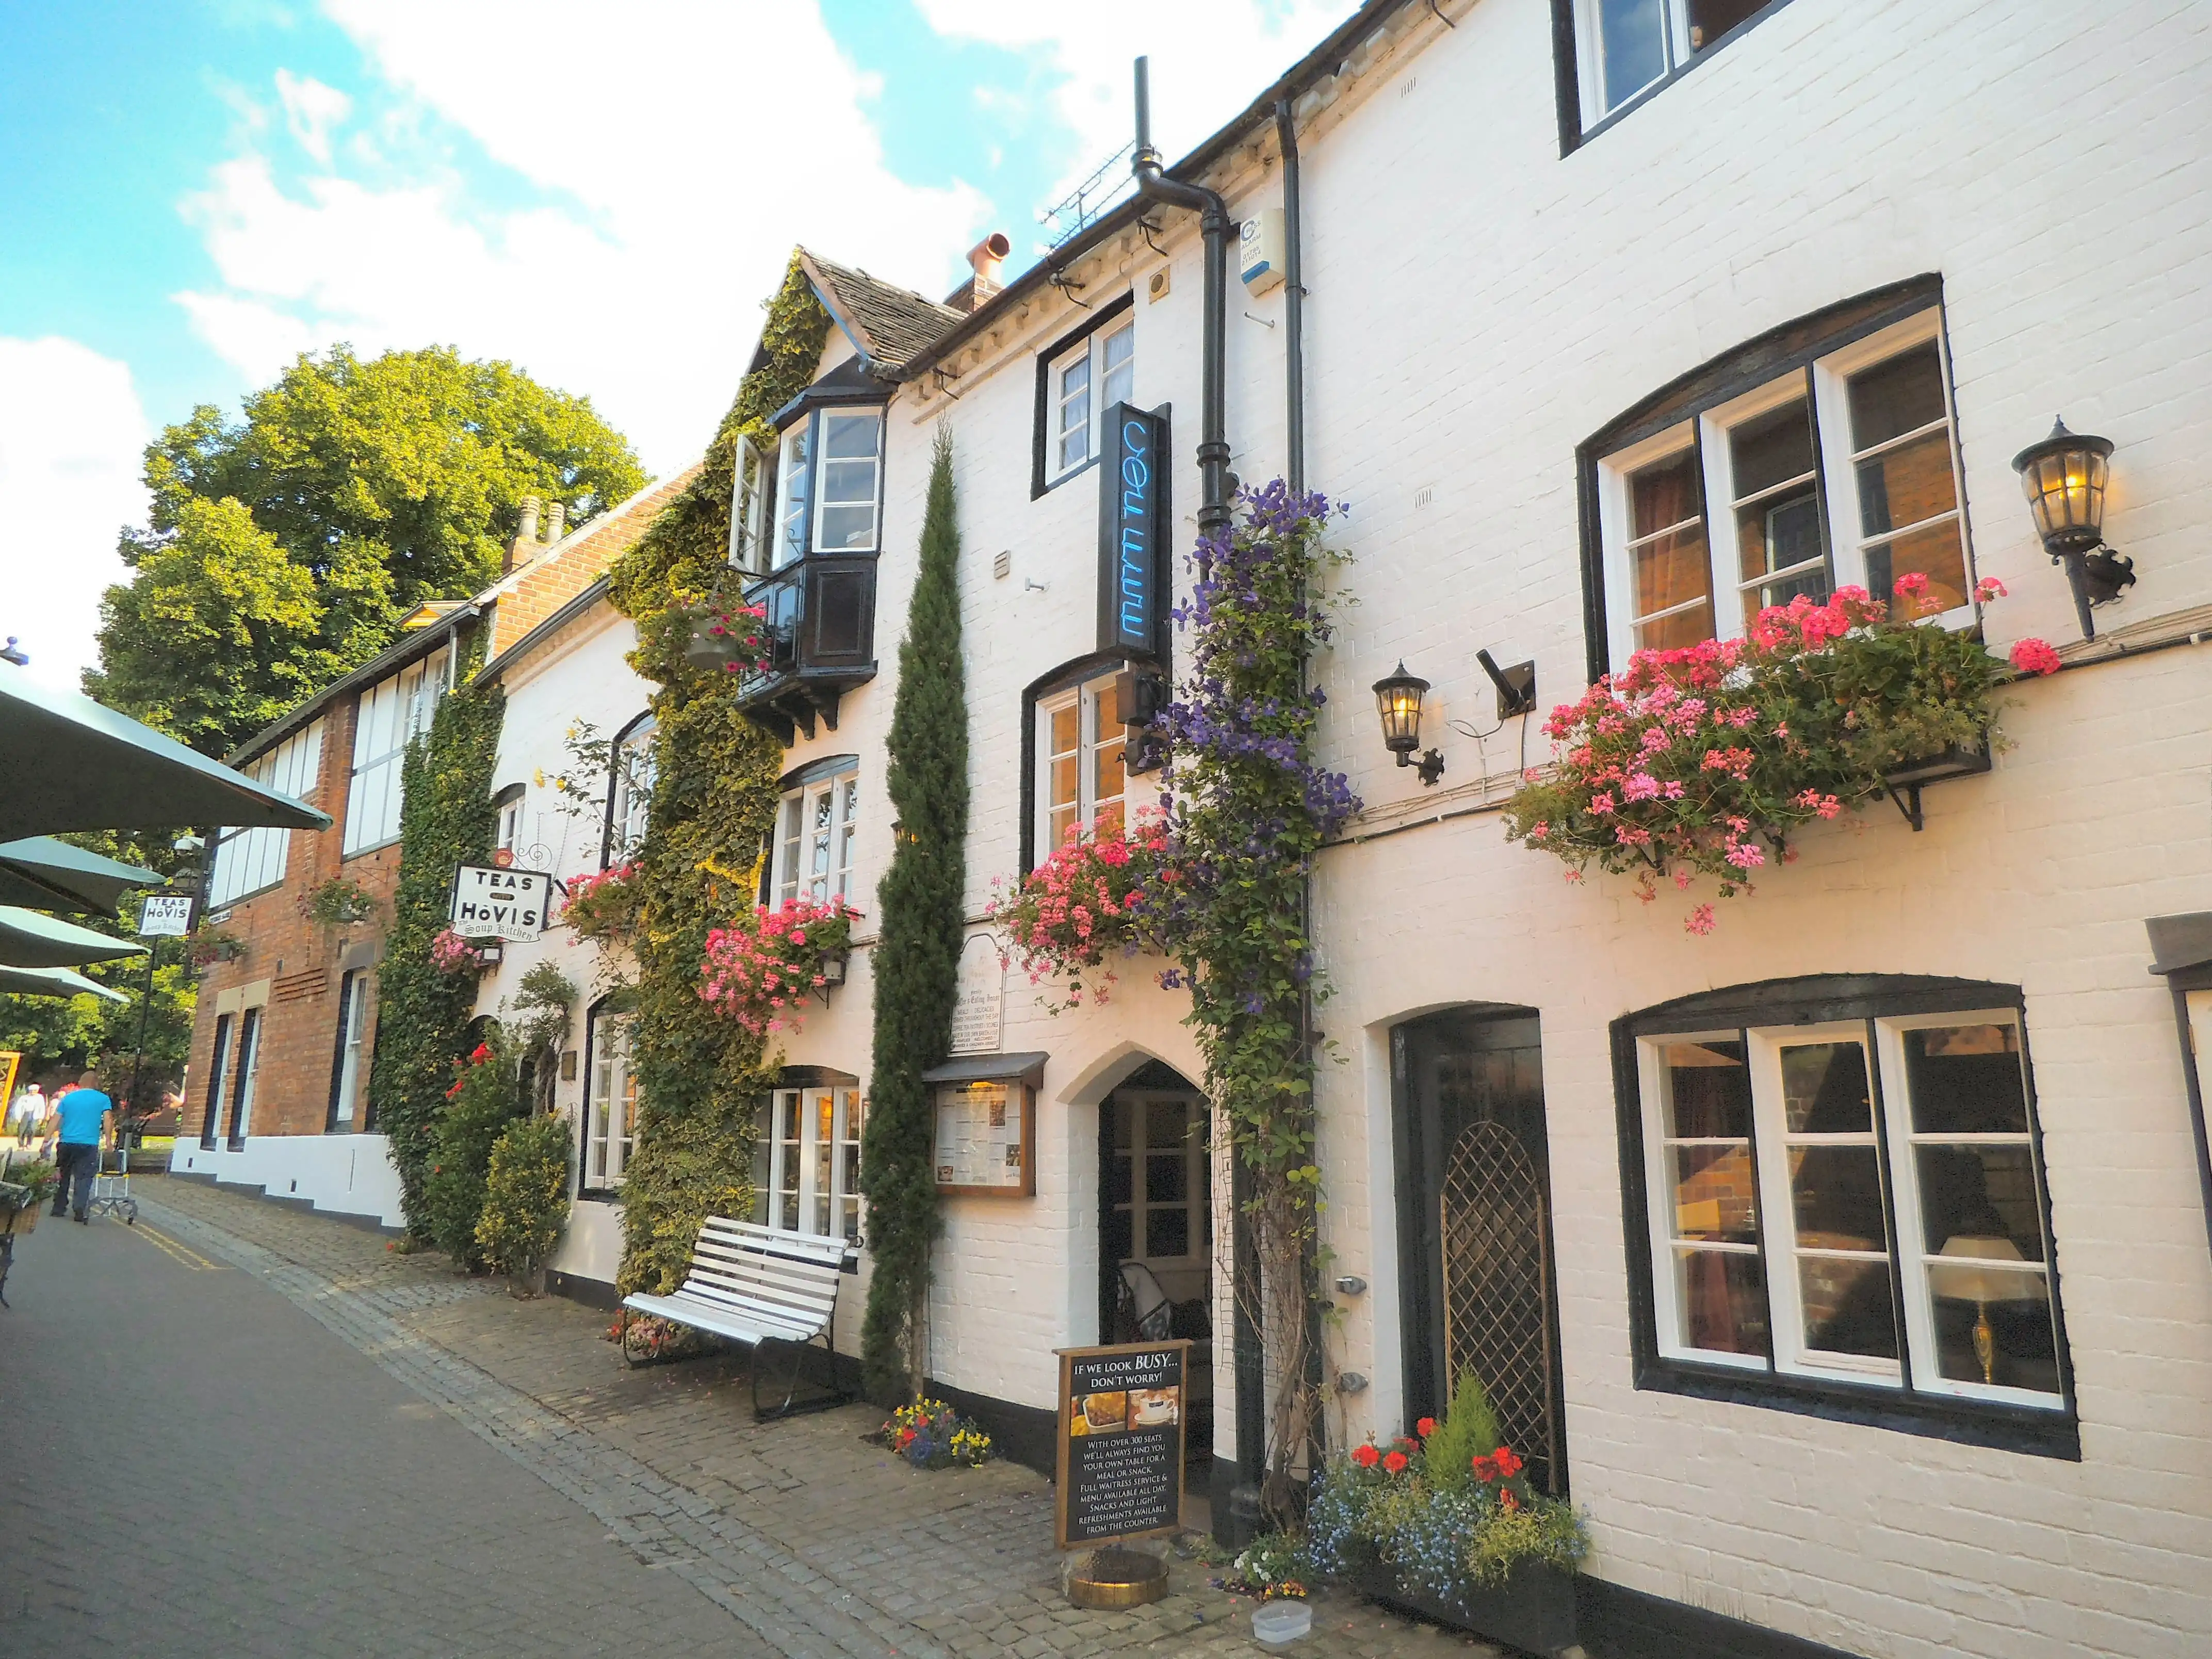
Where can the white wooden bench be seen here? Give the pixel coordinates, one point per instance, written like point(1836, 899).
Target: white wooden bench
point(758, 1285)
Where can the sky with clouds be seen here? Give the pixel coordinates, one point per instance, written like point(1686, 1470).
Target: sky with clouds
point(193, 191)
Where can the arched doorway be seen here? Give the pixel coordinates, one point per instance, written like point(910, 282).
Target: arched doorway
point(1156, 1226)
point(1474, 1223)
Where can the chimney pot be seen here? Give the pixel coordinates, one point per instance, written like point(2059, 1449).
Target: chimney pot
point(525, 535)
point(556, 521)
point(985, 259)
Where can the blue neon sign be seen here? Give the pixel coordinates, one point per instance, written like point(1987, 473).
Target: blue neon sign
point(1133, 491)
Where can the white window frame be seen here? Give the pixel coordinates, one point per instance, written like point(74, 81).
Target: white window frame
point(1826, 386)
point(509, 837)
point(748, 503)
point(1088, 744)
point(824, 463)
point(795, 1198)
point(249, 861)
point(248, 1040)
point(353, 1035)
point(610, 1103)
point(1590, 61)
point(632, 763)
point(223, 1046)
point(792, 872)
point(389, 715)
point(1894, 1140)
point(794, 493)
point(1065, 411)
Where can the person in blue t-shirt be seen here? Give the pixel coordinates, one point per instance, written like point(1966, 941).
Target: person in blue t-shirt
point(86, 1116)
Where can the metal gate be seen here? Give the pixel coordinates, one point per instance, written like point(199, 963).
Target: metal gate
point(1495, 1289)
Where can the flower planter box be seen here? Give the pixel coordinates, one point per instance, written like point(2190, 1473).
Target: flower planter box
point(1534, 1610)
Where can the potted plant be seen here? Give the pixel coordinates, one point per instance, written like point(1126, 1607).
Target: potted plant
point(208, 945)
point(930, 1435)
point(339, 903)
point(451, 954)
point(1434, 1523)
point(762, 967)
point(1093, 899)
point(605, 906)
point(31, 1187)
point(727, 638)
point(525, 1202)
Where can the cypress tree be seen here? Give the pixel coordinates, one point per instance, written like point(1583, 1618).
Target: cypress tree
point(917, 954)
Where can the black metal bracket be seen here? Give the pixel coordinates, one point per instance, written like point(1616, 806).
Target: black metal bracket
point(1516, 686)
point(1431, 766)
point(2098, 575)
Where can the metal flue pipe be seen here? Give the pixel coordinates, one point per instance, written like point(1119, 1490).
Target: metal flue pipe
point(1154, 185)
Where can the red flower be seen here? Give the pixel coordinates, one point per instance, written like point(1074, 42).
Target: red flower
point(1367, 1456)
point(1425, 1427)
point(2035, 657)
point(1508, 1502)
point(1395, 1462)
point(1484, 1469)
point(479, 1054)
point(1508, 1464)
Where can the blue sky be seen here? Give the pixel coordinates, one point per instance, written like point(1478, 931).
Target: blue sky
point(191, 191)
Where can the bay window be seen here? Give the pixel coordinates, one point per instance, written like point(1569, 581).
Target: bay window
point(807, 1162)
point(1840, 471)
point(828, 489)
point(1845, 1187)
point(817, 832)
point(610, 1104)
point(1626, 48)
point(1081, 743)
point(794, 475)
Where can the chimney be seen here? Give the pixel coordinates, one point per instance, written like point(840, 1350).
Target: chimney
point(557, 521)
point(525, 536)
point(984, 259)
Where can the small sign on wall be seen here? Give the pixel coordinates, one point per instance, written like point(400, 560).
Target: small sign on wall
point(1133, 527)
point(1121, 1413)
point(493, 903)
point(985, 1133)
point(979, 1008)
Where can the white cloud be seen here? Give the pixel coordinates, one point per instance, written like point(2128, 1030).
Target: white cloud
point(311, 110)
point(71, 434)
point(1208, 60)
point(681, 155)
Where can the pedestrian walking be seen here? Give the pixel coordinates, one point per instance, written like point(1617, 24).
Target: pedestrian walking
point(85, 1116)
point(29, 1110)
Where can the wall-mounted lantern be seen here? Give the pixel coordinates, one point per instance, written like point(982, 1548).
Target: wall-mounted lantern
point(1398, 700)
point(2063, 478)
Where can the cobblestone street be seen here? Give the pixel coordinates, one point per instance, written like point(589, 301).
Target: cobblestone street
point(200, 1466)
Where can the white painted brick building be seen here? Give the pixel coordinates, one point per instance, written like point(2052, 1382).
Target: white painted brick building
point(1503, 280)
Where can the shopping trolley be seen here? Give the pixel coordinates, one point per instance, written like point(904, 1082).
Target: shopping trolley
point(111, 1189)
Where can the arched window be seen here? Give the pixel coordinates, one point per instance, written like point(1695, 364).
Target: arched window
point(818, 827)
point(609, 1100)
point(629, 790)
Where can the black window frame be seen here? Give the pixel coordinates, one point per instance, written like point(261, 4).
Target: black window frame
point(252, 1021)
point(607, 1007)
point(1566, 64)
point(1041, 480)
point(219, 1048)
point(347, 982)
point(649, 717)
point(1789, 348)
point(809, 408)
point(1816, 999)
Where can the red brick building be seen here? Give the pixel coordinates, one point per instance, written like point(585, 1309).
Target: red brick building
point(277, 1096)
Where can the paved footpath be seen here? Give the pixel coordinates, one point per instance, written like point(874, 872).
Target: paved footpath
point(239, 1430)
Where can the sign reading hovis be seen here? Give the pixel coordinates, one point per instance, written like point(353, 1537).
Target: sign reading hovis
point(493, 903)
point(1132, 519)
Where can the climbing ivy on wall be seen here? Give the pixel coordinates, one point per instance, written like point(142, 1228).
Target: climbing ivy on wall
point(917, 954)
point(700, 1073)
point(422, 1015)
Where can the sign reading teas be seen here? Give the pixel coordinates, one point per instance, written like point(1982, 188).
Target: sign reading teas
point(493, 903)
point(1132, 522)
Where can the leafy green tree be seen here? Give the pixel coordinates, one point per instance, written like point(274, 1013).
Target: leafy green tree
point(917, 954)
point(283, 549)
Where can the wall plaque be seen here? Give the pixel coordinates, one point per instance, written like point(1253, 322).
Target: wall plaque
point(986, 1132)
point(979, 1008)
point(1132, 526)
point(1121, 1442)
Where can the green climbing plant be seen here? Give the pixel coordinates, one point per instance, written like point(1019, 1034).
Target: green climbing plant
point(700, 1074)
point(422, 1021)
point(917, 954)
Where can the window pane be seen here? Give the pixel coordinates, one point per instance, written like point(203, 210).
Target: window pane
point(1125, 1126)
point(1994, 1326)
point(1779, 533)
point(1723, 1296)
point(1713, 1194)
point(1771, 449)
point(1664, 495)
point(1934, 552)
point(1678, 630)
point(1847, 1306)
point(1707, 1090)
point(1074, 442)
point(1167, 1177)
point(1120, 353)
point(1906, 484)
point(1119, 1179)
point(795, 461)
point(1966, 1079)
point(1901, 395)
point(1167, 1232)
point(1712, 19)
point(1114, 1236)
point(1981, 1200)
point(1167, 1123)
point(1632, 46)
point(1824, 1089)
point(1836, 1192)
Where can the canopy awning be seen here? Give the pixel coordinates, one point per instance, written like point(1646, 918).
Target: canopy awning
point(55, 983)
point(28, 939)
point(1027, 1067)
point(72, 764)
point(44, 874)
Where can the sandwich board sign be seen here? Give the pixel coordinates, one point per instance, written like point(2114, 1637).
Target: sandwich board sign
point(1122, 1412)
point(490, 903)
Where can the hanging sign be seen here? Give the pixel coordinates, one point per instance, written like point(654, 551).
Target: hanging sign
point(1133, 526)
point(166, 915)
point(1121, 1442)
point(493, 903)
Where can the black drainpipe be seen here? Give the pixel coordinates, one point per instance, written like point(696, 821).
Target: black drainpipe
point(1236, 1502)
point(1294, 302)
